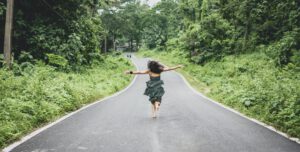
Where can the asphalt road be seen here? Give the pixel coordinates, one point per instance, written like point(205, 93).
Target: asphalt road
point(186, 123)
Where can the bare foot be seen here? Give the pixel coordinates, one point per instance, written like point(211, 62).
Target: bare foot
point(153, 116)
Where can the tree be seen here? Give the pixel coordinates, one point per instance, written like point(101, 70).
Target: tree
point(69, 29)
point(8, 31)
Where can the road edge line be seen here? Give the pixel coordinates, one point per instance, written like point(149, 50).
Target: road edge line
point(39, 130)
point(294, 139)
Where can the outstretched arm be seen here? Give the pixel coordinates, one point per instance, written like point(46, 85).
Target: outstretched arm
point(172, 68)
point(137, 72)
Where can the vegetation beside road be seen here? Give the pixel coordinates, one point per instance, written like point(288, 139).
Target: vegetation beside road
point(249, 83)
point(38, 94)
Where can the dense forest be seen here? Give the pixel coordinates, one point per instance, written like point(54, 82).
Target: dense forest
point(245, 53)
point(77, 31)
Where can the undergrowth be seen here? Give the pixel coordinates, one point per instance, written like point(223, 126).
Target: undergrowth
point(40, 93)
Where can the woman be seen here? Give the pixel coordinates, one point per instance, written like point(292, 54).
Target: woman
point(154, 89)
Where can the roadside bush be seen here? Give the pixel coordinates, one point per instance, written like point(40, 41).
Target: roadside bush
point(287, 49)
point(206, 39)
point(35, 95)
point(57, 60)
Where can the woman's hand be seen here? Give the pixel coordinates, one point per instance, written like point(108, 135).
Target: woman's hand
point(179, 66)
point(128, 72)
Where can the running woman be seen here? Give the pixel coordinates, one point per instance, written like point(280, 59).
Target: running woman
point(154, 89)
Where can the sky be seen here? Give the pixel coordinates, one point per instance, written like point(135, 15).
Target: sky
point(151, 2)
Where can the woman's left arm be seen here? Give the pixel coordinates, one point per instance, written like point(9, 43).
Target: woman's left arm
point(172, 68)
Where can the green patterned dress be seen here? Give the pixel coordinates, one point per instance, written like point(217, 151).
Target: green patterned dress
point(154, 89)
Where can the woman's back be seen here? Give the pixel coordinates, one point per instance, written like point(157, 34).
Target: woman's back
point(152, 74)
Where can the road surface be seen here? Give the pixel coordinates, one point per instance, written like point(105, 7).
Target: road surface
point(186, 123)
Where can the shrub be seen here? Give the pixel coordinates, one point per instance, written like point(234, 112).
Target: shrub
point(37, 94)
point(286, 49)
point(211, 38)
point(57, 60)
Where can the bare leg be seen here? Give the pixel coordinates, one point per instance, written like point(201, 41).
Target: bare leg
point(157, 104)
point(153, 110)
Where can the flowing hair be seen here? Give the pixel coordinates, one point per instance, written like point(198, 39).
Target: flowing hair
point(155, 67)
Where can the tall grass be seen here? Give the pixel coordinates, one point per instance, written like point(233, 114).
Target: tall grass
point(41, 94)
point(249, 83)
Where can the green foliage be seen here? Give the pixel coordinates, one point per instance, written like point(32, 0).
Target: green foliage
point(2, 8)
point(155, 30)
point(25, 56)
point(250, 83)
point(123, 24)
point(216, 28)
point(1, 60)
point(286, 48)
point(57, 60)
point(211, 39)
point(39, 94)
point(296, 58)
point(133, 24)
point(70, 29)
point(161, 23)
point(90, 32)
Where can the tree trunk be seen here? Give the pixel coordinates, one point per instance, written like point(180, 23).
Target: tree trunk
point(8, 30)
point(114, 42)
point(131, 49)
point(247, 31)
point(199, 10)
point(105, 44)
point(137, 44)
point(94, 7)
point(246, 35)
point(193, 50)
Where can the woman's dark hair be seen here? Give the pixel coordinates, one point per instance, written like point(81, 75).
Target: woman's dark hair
point(155, 67)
